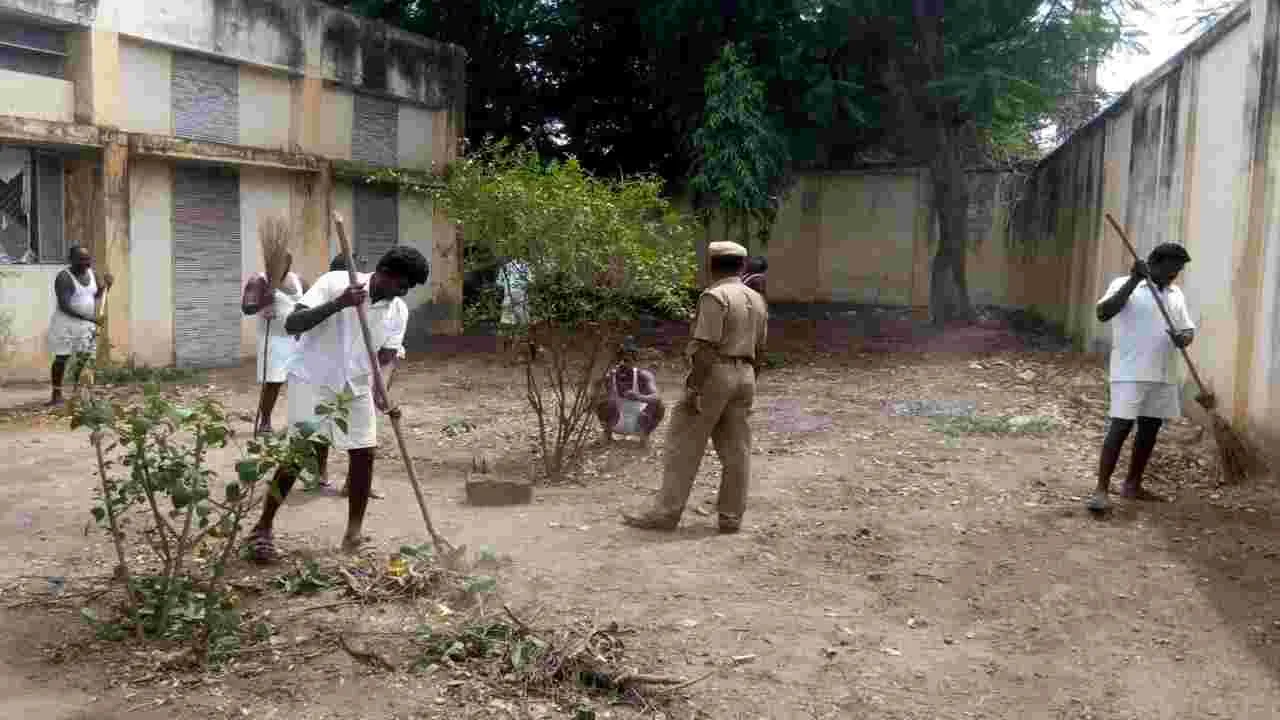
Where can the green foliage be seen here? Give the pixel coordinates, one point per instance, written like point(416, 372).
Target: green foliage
point(597, 254)
point(190, 523)
point(955, 427)
point(742, 153)
point(306, 579)
point(457, 426)
point(573, 230)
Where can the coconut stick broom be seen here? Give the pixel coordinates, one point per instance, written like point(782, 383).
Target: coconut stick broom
point(1236, 460)
point(449, 555)
point(274, 237)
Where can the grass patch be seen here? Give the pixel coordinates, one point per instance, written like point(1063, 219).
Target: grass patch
point(954, 427)
point(773, 360)
point(130, 374)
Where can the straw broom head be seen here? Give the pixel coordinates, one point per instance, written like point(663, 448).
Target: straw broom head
point(274, 236)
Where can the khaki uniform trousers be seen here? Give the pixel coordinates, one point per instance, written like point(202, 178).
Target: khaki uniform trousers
point(727, 396)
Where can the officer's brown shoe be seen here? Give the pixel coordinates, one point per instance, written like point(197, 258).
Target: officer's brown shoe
point(729, 524)
point(650, 521)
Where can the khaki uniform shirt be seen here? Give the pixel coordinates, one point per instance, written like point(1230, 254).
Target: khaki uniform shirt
point(733, 318)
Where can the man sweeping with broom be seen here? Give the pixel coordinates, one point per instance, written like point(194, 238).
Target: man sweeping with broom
point(332, 358)
point(271, 296)
point(1144, 378)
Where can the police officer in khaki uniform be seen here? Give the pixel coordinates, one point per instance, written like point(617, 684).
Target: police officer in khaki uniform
point(726, 346)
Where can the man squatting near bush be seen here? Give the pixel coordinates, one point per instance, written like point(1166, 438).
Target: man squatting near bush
point(331, 357)
point(1144, 365)
point(727, 345)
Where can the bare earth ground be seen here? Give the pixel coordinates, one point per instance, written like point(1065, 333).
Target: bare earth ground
point(886, 570)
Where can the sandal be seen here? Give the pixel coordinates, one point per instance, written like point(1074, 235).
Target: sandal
point(262, 549)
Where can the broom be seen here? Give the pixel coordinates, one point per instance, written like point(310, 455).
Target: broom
point(1236, 461)
point(449, 555)
point(273, 236)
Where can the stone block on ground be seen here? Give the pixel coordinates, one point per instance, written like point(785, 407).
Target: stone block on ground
point(488, 491)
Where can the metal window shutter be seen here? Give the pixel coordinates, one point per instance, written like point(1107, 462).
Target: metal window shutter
point(377, 220)
point(206, 264)
point(206, 99)
point(49, 184)
point(374, 131)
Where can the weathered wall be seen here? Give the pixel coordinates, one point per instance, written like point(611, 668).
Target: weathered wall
point(34, 96)
point(151, 262)
point(297, 72)
point(869, 236)
point(1190, 155)
point(145, 72)
point(26, 291)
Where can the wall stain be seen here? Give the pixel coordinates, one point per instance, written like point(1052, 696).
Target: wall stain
point(341, 46)
point(373, 56)
point(236, 17)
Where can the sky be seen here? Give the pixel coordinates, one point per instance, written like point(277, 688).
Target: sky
point(1163, 40)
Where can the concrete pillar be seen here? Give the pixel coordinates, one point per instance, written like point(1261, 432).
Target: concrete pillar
point(94, 69)
point(446, 276)
point(305, 109)
point(312, 203)
point(111, 249)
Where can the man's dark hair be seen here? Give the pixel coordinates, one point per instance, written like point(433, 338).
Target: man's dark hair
point(339, 262)
point(757, 264)
point(74, 251)
point(727, 264)
point(1169, 251)
point(406, 262)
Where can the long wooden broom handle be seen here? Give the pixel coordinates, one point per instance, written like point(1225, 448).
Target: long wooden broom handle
point(436, 538)
point(1159, 303)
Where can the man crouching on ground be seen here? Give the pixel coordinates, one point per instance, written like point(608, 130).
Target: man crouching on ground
point(330, 358)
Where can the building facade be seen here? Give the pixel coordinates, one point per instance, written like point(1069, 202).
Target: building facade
point(158, 133)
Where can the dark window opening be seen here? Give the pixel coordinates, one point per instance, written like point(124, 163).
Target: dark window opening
point(31, 206)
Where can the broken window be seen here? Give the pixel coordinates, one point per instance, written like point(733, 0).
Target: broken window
point(31, 202)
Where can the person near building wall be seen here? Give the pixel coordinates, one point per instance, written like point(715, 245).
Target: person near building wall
point(275, 346)
point(73, 329)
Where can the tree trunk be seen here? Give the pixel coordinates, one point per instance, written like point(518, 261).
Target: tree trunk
point(948, 286)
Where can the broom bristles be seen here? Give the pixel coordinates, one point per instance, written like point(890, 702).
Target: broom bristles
point(1236, 461)
point(274, 236)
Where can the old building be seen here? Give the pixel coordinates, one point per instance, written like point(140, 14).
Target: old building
point(158, 132)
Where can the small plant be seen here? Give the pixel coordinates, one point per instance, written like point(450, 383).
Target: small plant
point(305, 580)
point(773, 360)
point(191, 522)
point(457, 426)
point(955, 427)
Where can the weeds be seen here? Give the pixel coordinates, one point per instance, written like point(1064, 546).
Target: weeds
point(955, 427)
point(457, 426)
point(131, 373)
point(305, 580)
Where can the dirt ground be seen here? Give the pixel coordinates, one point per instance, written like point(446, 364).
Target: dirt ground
point(887, 569)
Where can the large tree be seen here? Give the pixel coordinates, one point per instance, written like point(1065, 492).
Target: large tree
point(623, 86)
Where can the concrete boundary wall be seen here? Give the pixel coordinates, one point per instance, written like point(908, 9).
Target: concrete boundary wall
point(1190, 155)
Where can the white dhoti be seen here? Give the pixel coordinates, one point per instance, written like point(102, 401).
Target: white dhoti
point(362, 422)
point(275, 352)
point(71, 336)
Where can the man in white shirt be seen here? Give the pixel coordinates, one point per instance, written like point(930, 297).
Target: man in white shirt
point(1145, 388)
point(331, 358)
